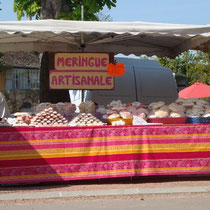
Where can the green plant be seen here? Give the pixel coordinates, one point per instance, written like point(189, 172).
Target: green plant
point(194, 64)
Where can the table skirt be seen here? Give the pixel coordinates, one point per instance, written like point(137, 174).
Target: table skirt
point(29, 154)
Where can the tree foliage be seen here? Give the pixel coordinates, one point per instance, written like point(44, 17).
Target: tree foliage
point(194, 64)
point(32, 8)
point(102, 17)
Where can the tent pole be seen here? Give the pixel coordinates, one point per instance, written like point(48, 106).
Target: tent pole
point(82, 44)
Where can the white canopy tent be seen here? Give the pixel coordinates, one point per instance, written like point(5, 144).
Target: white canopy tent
point(118, 37)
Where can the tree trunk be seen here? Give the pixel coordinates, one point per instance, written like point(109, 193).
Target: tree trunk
point(50, 10)
point(47, 95)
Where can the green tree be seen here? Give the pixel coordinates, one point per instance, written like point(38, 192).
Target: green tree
point(58, 9)
point(61, 9)
point(30, 8)
point(194, 64)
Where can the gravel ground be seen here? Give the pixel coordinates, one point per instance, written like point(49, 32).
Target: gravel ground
point(106, 184)
point(18, 204)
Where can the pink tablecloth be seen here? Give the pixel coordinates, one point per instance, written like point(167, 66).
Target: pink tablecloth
point(61, 153)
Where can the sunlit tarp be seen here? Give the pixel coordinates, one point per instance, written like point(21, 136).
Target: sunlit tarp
point(118, 37)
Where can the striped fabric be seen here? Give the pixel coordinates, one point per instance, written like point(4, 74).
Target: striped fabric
point(57, 154)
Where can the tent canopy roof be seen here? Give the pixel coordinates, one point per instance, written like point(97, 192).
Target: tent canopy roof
point(118, 37)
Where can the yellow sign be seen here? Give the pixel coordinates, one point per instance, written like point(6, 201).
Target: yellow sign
point(80, 80)
point(81, 61)
point(81, 71)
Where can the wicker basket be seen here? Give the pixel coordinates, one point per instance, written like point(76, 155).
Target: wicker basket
point(168, 120)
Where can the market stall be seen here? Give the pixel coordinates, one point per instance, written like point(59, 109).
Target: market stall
point(48, 147)
point(55, 144)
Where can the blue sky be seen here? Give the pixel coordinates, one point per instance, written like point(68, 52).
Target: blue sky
point(165, 11)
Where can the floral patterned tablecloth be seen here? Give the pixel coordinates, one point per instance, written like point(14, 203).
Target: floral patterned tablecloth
point(29, 154)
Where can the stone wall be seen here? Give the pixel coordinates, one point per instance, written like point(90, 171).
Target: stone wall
point(22, 100)
point(22, 59)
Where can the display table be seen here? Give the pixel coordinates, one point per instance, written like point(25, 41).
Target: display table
point(29, 155)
